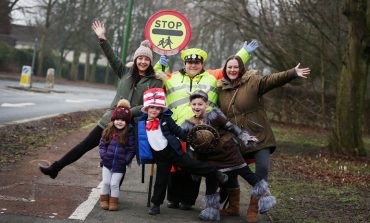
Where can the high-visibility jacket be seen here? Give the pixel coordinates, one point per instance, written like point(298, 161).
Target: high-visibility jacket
point(178, 87)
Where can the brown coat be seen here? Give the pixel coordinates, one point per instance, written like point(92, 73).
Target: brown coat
point(242, 102)
point(226, 155)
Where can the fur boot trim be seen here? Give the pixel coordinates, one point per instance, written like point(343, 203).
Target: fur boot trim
point(211, 211)
point(265, 203)
point(260, 189)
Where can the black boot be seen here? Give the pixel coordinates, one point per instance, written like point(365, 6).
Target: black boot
point(154, 210)
point(172, 204)
point(52, 170)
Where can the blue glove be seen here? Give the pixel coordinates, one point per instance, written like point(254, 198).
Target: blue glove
point(163, 61)
point(250, 47)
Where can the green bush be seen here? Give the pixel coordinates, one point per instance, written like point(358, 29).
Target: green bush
point(49, 62)
point(5, 50)
point(11, 58)
point(20, 57)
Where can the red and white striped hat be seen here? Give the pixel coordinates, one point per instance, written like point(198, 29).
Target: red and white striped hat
point(154, 97)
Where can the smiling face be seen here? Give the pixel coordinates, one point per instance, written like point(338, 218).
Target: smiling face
point(142, 63)
point(232, 69)
point(153, 112)
point(199, 106)
point(193, 67)
point(119, 123)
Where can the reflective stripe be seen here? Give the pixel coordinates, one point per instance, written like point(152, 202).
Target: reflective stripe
point(173, 89)
point(207, 87)
point(178, 103)
point(184, 86)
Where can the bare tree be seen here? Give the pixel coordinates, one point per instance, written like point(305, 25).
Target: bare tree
point(348, 127)
point(46, 6)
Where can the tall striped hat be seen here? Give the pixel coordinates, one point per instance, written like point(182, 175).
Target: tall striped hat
point(154, 97)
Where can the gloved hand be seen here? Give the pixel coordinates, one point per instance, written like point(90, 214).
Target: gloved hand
point(250, 47)
point(248, 140)
point(163, 60)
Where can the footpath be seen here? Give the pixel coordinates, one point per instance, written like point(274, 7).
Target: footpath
point(28, 196)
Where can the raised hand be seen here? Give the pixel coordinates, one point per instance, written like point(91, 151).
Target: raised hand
point(248, 140)
point(99, 29)
point(163, 60)
point(250, 47)
point(302, 72)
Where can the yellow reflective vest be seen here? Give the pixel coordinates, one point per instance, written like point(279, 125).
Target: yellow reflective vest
point(178, 87)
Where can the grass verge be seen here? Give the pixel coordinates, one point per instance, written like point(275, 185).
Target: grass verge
point(312, 185)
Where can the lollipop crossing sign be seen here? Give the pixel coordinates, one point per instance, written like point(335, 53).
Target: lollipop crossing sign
point(168, 32)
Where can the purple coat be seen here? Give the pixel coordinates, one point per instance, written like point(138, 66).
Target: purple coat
point(116, 156)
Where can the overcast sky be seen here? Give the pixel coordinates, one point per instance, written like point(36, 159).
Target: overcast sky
point(17, 15)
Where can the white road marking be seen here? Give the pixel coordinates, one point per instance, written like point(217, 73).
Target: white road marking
point(28, 120)
point(87, 206)
point(80, 100)
point(16, 105)
point(11, 198)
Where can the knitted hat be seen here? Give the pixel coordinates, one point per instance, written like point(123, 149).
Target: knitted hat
point(194, 54)
point(154, 97)
point(122, 111)
point(144, 50)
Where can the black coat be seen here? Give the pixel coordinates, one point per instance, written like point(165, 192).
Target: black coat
point(169, 128)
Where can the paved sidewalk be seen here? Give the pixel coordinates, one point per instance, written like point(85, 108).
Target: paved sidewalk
point(28, 196)
point(133, 200)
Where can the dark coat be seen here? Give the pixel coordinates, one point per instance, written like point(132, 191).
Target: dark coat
point(116, 156)
point(125, 87)
point(226, 154)
point(242, 102)
point(169, 128)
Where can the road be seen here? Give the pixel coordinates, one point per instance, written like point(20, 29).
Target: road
point(18, 106)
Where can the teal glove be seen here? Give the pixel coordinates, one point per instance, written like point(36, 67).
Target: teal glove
point(250, 47)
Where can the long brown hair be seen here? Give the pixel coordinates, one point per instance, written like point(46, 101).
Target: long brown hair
point(135, 72)
point(240, 63)
point(107, 134)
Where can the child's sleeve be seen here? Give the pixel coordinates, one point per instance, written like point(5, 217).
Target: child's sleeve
point(130, 146)
point(102, 148)
point(177, 130)
point(217, 118)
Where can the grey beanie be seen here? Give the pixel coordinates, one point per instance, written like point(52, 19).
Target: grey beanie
point(144, 50)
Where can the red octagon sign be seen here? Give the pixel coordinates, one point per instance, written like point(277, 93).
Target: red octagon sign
point(168, 32)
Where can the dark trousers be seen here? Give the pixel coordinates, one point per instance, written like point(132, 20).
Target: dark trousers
point(245, 173)
point(90, 142)
point(168, 157)
point(182, 188)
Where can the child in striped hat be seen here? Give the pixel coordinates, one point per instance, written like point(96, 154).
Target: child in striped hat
point(157, 132)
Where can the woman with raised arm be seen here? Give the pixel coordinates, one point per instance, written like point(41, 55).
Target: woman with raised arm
point(131, 87)
point(241, 100)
